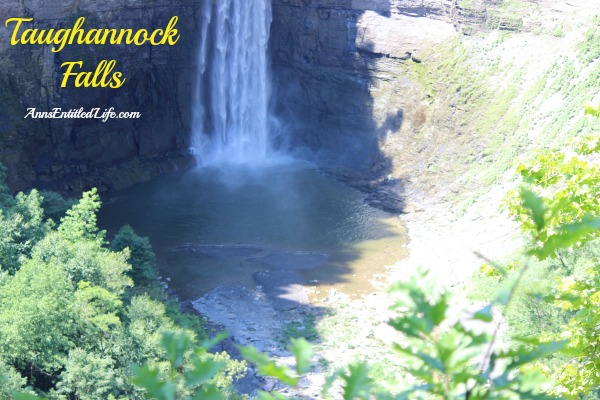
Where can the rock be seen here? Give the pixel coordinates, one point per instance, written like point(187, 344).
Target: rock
point(221, 251)
point(236, 309)
point(283, 288)
point(73, 155)
point(345, 77)
point(269, 385)
point(399, 36)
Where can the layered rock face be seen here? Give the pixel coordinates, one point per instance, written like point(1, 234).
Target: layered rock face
point(71, 155)
point(341, 79)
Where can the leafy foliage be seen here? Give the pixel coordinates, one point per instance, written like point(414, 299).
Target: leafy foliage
point(36, 318)
point(54, 205)
point(91, 375)
point(85, 260)
point(80, 220)
point(141, 256)
point(458, 356)
point(451, 354)
point(21, 227)
point(70, 326)
point(11, 381)
point(560, 209)
point(560, 202)
point(6, 199)
point(189, 374)
point(595, 111)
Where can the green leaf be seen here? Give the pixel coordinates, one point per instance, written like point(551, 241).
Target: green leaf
point(148, 379)
point(303, 352)
point(433, 363)
point(485, 314)
point(503, 295)
point(535, 205)
point(413, 392)
point(210, 343)
point(175, 346)
point(26, 396)
point(524, 355)
point(330, 380)
point(210, 392)
point(271, 396)
point(266, 366)
point(594, 111)
point(437, 313)
point(358, 384)
point(568, 235)
point(202, 371)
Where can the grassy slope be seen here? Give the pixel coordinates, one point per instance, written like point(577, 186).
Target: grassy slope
point(494, 97)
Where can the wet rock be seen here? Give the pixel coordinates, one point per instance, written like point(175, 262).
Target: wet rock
point(235, 308)
point(269, 384)
point(283, 288)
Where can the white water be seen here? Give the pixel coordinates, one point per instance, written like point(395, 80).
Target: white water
point(230, 115)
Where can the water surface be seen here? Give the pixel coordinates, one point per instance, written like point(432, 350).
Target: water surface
point(211, 227)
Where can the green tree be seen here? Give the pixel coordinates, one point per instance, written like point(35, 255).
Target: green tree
point(560, 209)
point(63, 321)
point(147, 321)
point(11, 381)
point(141, 257)
point(85, 260)
point(189, 373)
point(564, 189)
point(6, 199)
point(97, 317)
point(36, 318)
point(55, 206)
point(21, 227)
point(80, 221)
point(90, 376)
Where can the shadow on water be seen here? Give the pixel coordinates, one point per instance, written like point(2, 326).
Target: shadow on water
point(240, 226)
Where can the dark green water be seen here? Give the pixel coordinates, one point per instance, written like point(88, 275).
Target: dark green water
point(211, 227)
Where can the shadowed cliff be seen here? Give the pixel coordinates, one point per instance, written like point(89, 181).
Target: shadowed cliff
point(71, 155)
point(341, 80)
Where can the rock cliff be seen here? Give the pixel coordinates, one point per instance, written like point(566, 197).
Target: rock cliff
point(411, 98)
point(71, 155)
point(356, 86)
point(341, 78)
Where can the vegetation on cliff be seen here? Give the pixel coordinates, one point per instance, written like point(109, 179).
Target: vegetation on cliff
point(77, 311)
point(496, 96)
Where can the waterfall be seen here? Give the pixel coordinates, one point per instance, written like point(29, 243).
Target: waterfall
point(230, 111)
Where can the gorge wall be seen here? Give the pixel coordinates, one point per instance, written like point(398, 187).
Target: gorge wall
point(72, 155)
point(411, 95)
point(340, 72)
point(346, 83)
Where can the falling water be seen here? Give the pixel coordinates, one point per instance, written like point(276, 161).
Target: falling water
point(230, 115)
